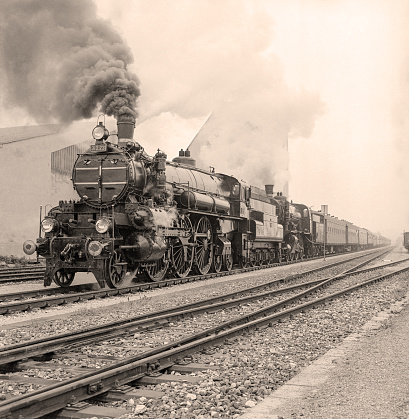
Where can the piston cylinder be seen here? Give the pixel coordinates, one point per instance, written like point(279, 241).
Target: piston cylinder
point(145, 249)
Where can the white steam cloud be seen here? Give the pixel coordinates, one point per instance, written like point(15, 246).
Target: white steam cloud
point(213, 58)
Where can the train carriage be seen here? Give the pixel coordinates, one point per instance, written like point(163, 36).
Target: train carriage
point(352, 236)
point(362, 238)
point(336, 234)
point(370, 239)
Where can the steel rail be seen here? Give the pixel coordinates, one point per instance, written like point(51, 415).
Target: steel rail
point(16, 272)
point(34, 277)
point(37, 293)
point(57, 396)
point(21, 269)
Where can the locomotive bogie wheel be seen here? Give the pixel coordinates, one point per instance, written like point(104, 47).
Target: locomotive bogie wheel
point(116, 270)
point(156, 271)
point(228, 263)
point(64, 278)
point(250, 263)
point(204, 246)
point(218, 263)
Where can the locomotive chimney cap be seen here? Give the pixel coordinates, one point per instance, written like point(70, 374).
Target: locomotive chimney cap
point(126, 127)
point(269, 190)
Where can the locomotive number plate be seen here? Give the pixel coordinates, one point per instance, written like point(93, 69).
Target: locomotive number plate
point(98, 147)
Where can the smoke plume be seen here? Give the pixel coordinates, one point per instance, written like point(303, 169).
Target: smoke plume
point(211, 57)
point(61, 63)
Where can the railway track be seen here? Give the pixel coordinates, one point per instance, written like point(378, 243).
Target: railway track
point(137, 367)
point(21, 274)
point(33, 273)
point(49, 297)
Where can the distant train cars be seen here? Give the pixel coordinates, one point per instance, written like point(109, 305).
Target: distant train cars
point(406, 240)
point(340, 236)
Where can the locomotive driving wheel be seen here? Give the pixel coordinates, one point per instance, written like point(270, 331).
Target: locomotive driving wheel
point(156, 271)
point(181, 251)
point(116, 270)
point(64, 278)
point(204, 246)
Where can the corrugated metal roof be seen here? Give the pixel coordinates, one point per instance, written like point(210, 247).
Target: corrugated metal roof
point(62, 161)
point(14, 134)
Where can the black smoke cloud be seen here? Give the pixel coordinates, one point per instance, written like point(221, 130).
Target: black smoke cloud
point(60, 62)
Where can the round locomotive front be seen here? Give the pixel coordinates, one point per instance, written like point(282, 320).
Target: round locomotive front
point(103, 177)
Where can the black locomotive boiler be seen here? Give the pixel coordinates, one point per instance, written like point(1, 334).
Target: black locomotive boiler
point(145, 214)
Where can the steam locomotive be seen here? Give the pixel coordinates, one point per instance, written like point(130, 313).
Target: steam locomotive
point(144, 214)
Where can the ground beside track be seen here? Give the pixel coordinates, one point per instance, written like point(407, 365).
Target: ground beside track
point(365, 377)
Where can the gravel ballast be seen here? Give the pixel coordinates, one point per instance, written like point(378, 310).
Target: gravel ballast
point(364, 377)
point(249, 368)
point(253, 366)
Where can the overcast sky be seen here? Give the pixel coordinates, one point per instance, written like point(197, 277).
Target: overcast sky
point(352, 53)
point(334, 74)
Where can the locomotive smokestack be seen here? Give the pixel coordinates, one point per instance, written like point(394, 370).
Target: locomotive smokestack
point(270, 191)
point(126, 127)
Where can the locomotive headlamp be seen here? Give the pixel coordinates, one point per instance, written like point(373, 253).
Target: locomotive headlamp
point(102, 225)
point(100, 132)
point(95, 248)
point(49, 224)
